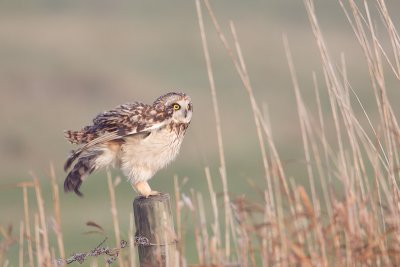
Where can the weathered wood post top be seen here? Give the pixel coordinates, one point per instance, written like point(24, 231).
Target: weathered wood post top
point(155, 234)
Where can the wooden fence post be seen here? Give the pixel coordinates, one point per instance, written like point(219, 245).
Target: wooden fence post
point(155, 235)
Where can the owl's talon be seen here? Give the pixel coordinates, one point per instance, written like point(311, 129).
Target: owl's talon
point(153, 193)
point(144, 189)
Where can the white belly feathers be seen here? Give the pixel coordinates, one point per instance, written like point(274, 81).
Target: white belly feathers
point(140, 158)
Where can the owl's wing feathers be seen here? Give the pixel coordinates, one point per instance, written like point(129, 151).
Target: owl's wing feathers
point(127, 119)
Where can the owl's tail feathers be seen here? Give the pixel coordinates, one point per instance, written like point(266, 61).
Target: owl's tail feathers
point(71, 158)
point(85, 166)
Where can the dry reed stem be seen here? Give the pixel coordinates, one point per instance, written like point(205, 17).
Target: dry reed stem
point(377, 79)
point(360, 33)
point(359, 162)
point(39, 251)
point(132, 251)
point(254, 107)
point(42, 217)
point(114, 213)
point(394, 36)
point(180, 244)
point(386, 113)
point(299, 224)
point(346, 111)
point(260, 123)
point(266, 234)
point(228, 218)
point(216, 258)
point(57, 211)
point(302, 118)
point(203, 227)
point(243, 211)
point(319, 159)
point(376, 73)
point(240, 67)
point(306, 129)
point(332, 81)
point(279, 172)
point(165, 237)
point(242, 71)
point(197, 233)
point(21, 244)
point(27, 226)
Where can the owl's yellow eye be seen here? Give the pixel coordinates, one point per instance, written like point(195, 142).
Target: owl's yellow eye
point(176, 106)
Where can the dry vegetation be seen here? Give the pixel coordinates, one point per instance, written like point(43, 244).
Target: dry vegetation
point(347, 215)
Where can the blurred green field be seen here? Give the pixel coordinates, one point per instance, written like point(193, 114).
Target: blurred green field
point(62, 62)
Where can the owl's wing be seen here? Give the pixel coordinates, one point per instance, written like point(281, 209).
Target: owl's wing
point(127, 119)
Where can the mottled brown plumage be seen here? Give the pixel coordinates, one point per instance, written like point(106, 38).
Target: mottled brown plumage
point(138, 138)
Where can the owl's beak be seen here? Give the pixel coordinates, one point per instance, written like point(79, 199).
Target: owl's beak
point(186, 112)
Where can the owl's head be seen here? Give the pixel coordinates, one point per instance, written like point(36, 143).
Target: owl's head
point(177, 104)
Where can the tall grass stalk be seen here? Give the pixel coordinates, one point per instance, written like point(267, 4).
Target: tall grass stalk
point(228, 217)
point(114, 214)
point(57, 212)
point(21, 244)
point(43, 226)
point(27, 225)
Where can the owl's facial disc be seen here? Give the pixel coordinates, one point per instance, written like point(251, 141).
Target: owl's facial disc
point(182, 111)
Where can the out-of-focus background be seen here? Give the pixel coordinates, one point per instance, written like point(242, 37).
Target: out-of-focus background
point(63, 62)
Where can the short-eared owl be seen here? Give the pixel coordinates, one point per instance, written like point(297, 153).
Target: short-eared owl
point(138, 138)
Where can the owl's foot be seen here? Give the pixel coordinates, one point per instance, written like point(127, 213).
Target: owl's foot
point(143, 188)
point(153, 193)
